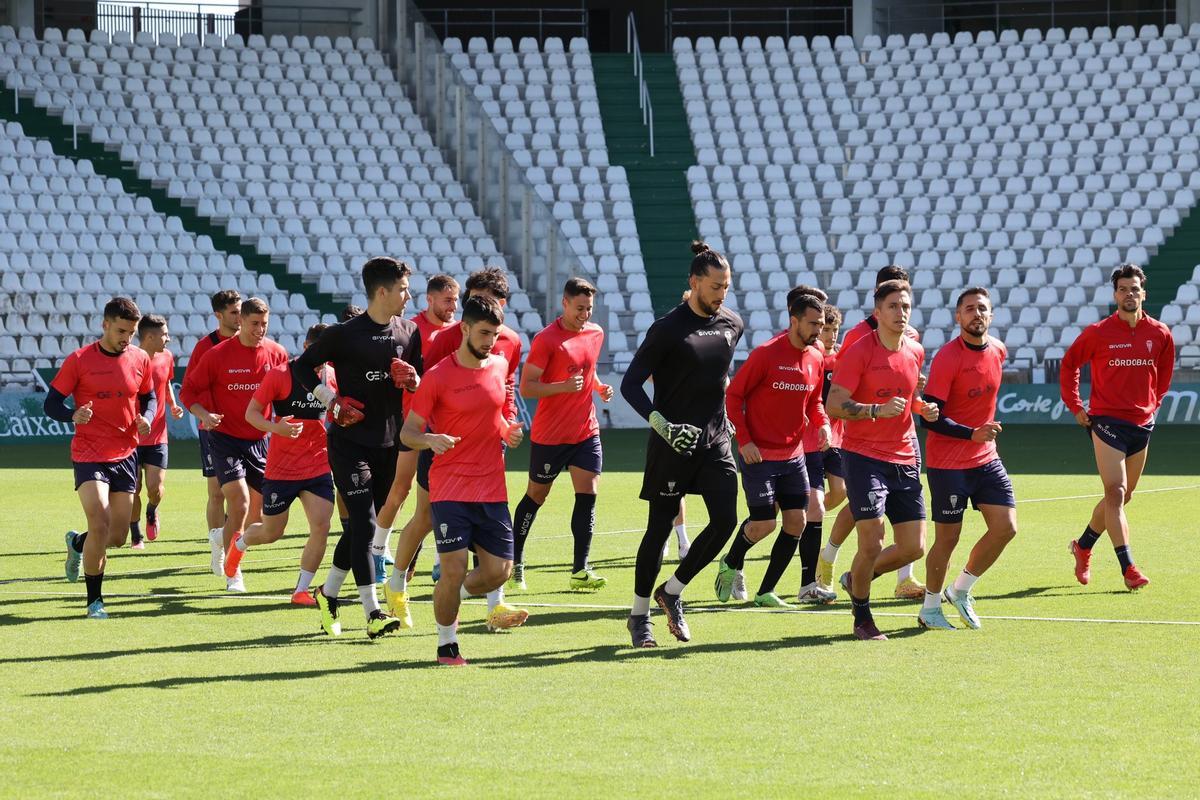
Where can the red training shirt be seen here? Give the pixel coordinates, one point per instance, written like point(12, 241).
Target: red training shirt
point(1131, 368)
point(566, 418)
point(508, 344)
point(225, 380)
point(775, 398)
point(874, 374)
point(467, 403)
point(967, 379)
point(306, 456)
point(162, 369)
point(206, 343)
point(111, 382)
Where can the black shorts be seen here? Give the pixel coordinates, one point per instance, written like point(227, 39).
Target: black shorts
point(986, 485)
point(424, 462)
point(238, 459)
point(880, 488)
point(121, 476)
point(279, 495)
point(362, 473)
point(832, 462)
point(669, 474)
point(1121, 434)
point(473, 525)
point(207, 469)
point(769, 482)
point(152, 455)
point(822, 464)
point(547, 460)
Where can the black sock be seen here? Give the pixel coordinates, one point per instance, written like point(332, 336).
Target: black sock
point(77, 542)
point(1088, 538)
point(135, 531)
point(736, 557)
point(94, 583)
point(781, 556)
point(583, 521)
point(810, 550)
point(345, 524)
point(862, 610)
point(523, 519)
point(1125, 557)
point(448, 650)
point(151, 512)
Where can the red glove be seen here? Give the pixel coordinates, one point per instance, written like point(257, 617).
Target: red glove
point(346, 411)
point(404, 375)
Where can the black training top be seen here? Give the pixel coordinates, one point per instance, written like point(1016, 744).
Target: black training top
point(688, 356)
point(361, 352)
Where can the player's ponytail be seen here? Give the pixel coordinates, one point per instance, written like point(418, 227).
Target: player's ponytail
point(706, 258)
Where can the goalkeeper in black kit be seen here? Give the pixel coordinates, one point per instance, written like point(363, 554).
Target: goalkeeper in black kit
point(687, 353)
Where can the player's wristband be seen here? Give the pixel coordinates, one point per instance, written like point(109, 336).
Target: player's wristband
point(874, 411)
point(324, 394)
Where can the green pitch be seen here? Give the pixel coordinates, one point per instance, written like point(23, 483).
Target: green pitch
point(1068, 691)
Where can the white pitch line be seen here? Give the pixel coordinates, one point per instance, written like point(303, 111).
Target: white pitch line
point(350, 599)
point(1095, 496)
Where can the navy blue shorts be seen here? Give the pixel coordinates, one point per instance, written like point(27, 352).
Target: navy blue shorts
point(986, 485)
point(822, 464)
point(238, 459)
point(473, 525)
point(121, 476)
point(832, 461)
point(1121, 434)
point(770, 482)
point(547, 460)
point(152, 455)
point(278, 495)
point(207, 468)
point(424, 462)
point(878, 488)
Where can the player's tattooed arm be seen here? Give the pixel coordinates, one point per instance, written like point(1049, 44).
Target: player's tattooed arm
point(841, 405)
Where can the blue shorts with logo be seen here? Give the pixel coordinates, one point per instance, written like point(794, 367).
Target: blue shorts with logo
point(121, 476)
point(766, 483)
point(986, 485)
point(152, 455)
point(473, 525)
point(207, 468)
point(237, 459)
point(880, 488)
point(547, 460)
point(1121, 434)
point(821, 464)
point(278, 496)
point(424, 462)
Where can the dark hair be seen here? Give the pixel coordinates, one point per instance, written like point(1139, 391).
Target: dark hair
point(891, 287)
point(970, 291)
point(440, 283)
point(891, 273)
point(224, 299)
point(1128, 271)
point(122, 308)
point(350, 312)
point(314, 333)
point(383, 272)
point(705, 259)
point(577, 286)
point(804, 303)
point(479, 308)
point(833, 315)
point(489, 279)
point(150, 322)
point(255, 305)
point(802, 289)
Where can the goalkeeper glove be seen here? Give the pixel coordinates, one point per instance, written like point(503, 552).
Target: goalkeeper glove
point(681, 436)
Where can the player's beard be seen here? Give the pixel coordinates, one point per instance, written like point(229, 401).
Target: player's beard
point(977, 327)
point(480, 354)
point(445, 316)
point(1129, 305)
point(709, 309)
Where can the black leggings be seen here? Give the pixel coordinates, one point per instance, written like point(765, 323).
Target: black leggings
point(363, 476)
point(722, 519)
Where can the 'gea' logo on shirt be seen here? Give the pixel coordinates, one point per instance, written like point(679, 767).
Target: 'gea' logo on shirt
point(376, 375)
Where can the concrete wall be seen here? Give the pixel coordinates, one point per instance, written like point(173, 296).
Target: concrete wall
point(320, 17)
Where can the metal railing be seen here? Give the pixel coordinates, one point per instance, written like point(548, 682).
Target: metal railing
point(639, 72)
point(162, 18)
point(490, 22)
point(153, 16)
point(800, 20)
point(998, 15)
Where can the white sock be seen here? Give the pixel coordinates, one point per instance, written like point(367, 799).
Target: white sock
point(215, 533)
point(681, 533)
point(830, 551)
point(447, 634)
point(305, 581)
point(334, 581)
point(933, 600)
point(398, 582)
point(494, 598)
point(641, 607)
point(964, 582)
point(437, 557)
point(674, 585)
point(370, 602)
point(904, 573)
point(236, 577)
point(380, 542)
point(240, 543)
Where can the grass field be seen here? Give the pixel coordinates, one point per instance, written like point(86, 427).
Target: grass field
point(1068, 691)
